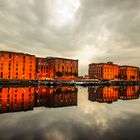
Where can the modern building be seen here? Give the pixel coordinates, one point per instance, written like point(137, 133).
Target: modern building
point(103, 71)
point(129, 73)
point(17, 65)
point(63, 68)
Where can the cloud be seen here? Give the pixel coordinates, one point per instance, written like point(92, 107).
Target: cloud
point(33, 127)
point(109, 28)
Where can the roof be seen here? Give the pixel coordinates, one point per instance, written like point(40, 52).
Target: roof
point(41, 57)
point(129, 66)
point(103, 64)
point(61, 58)
point(18, 53)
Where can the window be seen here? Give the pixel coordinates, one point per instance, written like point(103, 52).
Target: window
point(10, 55)
point(9, 75)
point(1, 75)
point(30, 75)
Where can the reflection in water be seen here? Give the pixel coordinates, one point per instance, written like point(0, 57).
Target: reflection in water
point(25, 98)
point(88, 121)
point(56, 97)
point(16, 99)
point(111, 94)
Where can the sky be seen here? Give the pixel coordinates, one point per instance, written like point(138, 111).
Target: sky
point(88, 30)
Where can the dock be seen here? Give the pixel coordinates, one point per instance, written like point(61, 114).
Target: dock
point(79, 82)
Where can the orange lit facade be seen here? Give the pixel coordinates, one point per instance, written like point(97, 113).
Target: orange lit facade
point(56, 96)
point(42, 70)
point(16, 99)
point(41, 96)
point(103, 94)
point(17, 66)
point(129, 92)
point(129, 73)
point(103, 71)
point(111, 94)
point(62, 97)
point(63, 68)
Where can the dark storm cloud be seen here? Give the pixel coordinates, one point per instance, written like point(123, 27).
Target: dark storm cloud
point(108, 27)
point(31, 128)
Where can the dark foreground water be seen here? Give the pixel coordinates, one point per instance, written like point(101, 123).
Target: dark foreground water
point(69, 113)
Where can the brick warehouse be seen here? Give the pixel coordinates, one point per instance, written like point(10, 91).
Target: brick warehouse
point(17, 65)
point(28, 67)
point(63, 68)
point(16, 99)
point(129, 73)
point(108, 71)
point(42, 69)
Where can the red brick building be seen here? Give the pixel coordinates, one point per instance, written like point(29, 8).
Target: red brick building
point(42, 69)
point(129, 73)
point(129, 92)
point(103, 71)
point(62, 97)
point(17, 65)
point(16, 99)
point(103, 94)
point(56, 96)
point(63, 68)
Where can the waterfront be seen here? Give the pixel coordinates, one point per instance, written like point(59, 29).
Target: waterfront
point(69, 113)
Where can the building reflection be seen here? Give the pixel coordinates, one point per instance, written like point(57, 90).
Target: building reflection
point(26, 98)
point(129, 92)
point(16, 99)
point(111, 94)
point(103, 94)
point(56, 97)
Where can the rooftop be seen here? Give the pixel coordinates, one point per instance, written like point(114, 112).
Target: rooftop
point(18, 53)
point(108, 63)
point(50, 57)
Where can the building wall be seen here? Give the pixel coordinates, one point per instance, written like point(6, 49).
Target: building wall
point(17, 65)
point(108, 71)
point(111, 94)
point(43, 70)
point(56, 96)
point(63, 68)
point(103, 94)
point(62, 96)
point(129, 73)
point(129, 92)
point(16, 99)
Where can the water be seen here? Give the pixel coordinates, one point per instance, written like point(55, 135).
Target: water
point(69, 113)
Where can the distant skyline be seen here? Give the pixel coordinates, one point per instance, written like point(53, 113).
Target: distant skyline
point(88, 30)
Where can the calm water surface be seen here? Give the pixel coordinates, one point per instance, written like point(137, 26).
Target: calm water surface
point(69, 113)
